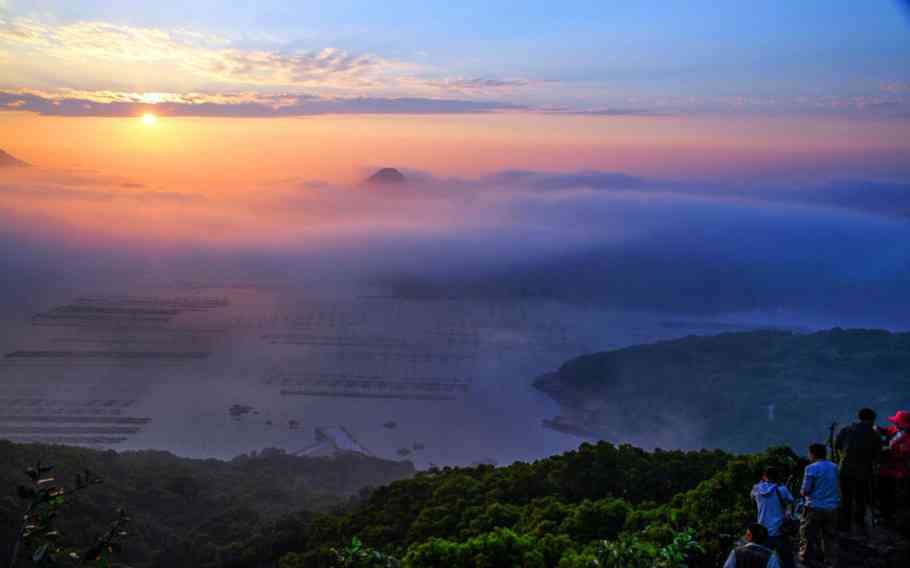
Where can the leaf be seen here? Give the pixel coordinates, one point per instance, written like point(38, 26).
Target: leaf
point(39, 555)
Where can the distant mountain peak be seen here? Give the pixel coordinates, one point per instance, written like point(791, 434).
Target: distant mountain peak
point(7, 160)
point(386, 176)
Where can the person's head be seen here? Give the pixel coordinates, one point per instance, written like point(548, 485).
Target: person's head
point(771, 474)
point(867, 415)
point(901, 419)
point(757, 533)
point(818, 452)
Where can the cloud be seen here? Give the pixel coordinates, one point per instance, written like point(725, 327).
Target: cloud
point(583, 179)
point(882, 197)
point(605, 238)
point(59, 185)
point(107, 103)
point(103, 59)
point(203, 56)
point(611, 112)
point(80, 102)
point(181, 56)
point(475, 86)
point(896, 87)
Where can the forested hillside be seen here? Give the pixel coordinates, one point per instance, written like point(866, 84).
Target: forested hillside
point(741, 392)
point(601, 505)
point(551, 512)
point(183, 509)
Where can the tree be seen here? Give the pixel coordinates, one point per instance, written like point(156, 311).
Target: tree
point(39, 541)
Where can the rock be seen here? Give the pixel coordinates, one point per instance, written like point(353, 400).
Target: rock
point(386, 176)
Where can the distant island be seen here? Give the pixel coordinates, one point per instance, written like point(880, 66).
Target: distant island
point(735, 391)
point(9, 161)
point(386, 176)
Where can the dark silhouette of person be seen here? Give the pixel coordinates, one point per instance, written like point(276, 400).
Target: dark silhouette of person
point(860, 447)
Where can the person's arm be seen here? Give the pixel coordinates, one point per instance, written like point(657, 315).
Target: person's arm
point(788, 497)
point(841, 437)
point(731, 560)
point(808, 483)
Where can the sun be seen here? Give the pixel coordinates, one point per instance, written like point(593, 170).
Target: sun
point(149, 119)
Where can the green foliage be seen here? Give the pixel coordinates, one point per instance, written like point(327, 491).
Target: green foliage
point(669, 510)
point(563, 494)
point(356, 555)
point(601, 505)
point(38, 541)
point(190, 513)
point(502, 547)
point(633, 551)
point(592, 520)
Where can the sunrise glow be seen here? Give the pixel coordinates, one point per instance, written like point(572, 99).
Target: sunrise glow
point(576, 276)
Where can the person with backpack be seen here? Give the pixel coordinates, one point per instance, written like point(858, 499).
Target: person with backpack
point(859, 444)
point(773, 500)
point(895, 464)
point(820, 517)
point(755, 553)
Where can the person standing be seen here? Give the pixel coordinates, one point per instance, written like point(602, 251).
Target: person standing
point(895, 464)
point(859, 444)
point(755, 553)
point(772, 500)
point(820, 518)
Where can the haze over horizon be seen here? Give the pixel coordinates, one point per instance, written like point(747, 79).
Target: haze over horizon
point(578, 178)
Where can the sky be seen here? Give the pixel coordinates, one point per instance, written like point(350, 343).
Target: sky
point(676, 88)
point(735, 162)
point(208, 122)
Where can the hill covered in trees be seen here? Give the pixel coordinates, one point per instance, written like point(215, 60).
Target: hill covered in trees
point(601, 505)
point(181, 508)
point(735, 391)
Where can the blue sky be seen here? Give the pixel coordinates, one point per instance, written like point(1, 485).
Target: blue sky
point(581, 53)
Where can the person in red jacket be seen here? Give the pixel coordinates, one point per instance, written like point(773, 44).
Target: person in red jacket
point(895, 465)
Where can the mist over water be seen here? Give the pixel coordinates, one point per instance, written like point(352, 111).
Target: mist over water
point(415, 316)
